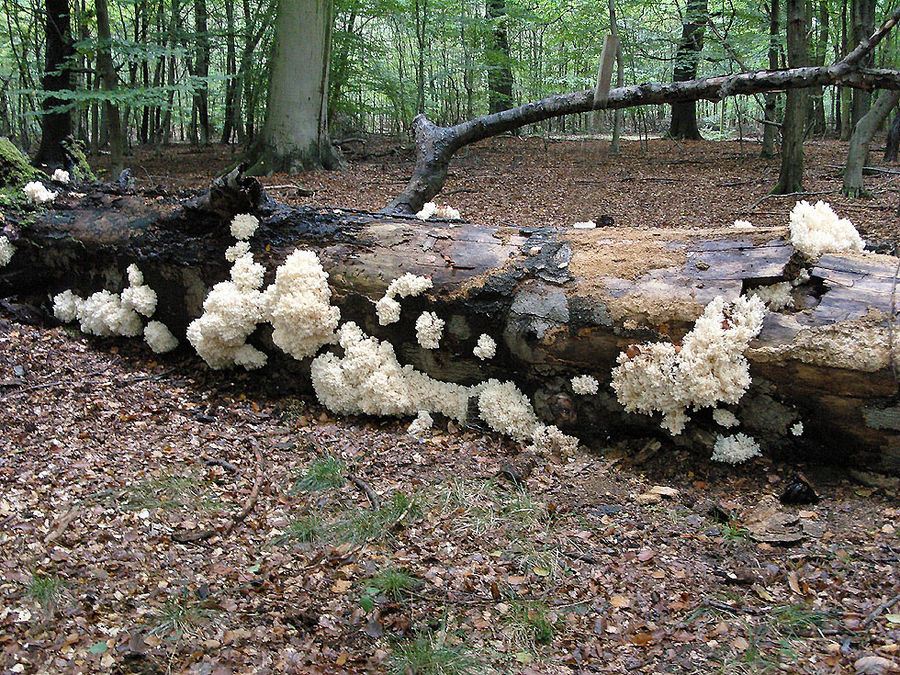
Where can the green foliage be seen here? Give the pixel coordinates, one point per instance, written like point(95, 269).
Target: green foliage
point(427, 654)
point(392, 583)
point(305, 530)
point(322, 474)
point(529, 623)
point(179, 616)
point(171, 492)
point(360, 525)
point(45, 591)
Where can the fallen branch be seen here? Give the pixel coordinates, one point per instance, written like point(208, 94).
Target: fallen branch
point(62, 525)
point(435, 145)
point(366, 490)
point(249, 504)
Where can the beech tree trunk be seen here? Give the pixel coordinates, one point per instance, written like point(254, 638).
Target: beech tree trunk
point(110, 83)
point(295, 136)
point(558, 303)
point(770, 130)
point(687, 58)
point(865, 129)
point(793, 130)
point(893, 140)
point(500, 79)
point(56, 126)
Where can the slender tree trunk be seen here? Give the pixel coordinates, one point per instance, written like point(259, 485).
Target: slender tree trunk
point(110, 84)
point(816, 94)
point(201, 67)
point(620, 78)
point(500, 78)
point(56, 126)
point(687, 58)
point(790, 179)
point(858, 153)
point(863, 22)
point(770, 131)
point(295, 137)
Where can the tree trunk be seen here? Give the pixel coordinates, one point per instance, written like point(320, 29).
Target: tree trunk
point(552, 300)
point(770, 129)
point(500, 79)
point(687, 58)
point(620, 78)
point(110, 84)
point(56, 126)
point(893, 140)
point(790, 178)
point(863, 21)
point(858, 153)
point(295, 136)
point(201, 70)
point(435, 145)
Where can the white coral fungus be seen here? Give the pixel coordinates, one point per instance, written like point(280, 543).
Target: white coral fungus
point(138, 296)
point(775, 296)
point(298, 305)
point(743, 225)
point(421, 424)
point(585, 225)
point(430, 209)
point(725, 418)
point(103, 313)
point(817, 229)
point(584, 384)
point(797, 429)
point(238, 250)
point(65, 306)
point(60, 176)
point(408, 285)
point(37, 193)
point(159, 337)
point(734, 449)
point(429, 330)
point(485, 348)
point(549, 440)
point(6, 251)
point(230, 315)
point(707, 369)
point(243, 225)
point(368, 379)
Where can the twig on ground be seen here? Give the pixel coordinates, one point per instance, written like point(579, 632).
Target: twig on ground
point(366, 490)
point(215, 461)
point(733, 608)
point(203, 535)
point(62, 525)
point(878, 610)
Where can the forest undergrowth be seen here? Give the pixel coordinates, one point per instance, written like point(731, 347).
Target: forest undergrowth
point(157, 517)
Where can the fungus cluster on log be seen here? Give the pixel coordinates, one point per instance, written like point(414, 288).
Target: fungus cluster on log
point(553, 310)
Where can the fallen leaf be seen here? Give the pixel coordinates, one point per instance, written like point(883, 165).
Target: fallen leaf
point(619, 601)
point(341, 586)
point(875, 665)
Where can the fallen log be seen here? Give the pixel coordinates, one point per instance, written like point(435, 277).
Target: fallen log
point(559, 302)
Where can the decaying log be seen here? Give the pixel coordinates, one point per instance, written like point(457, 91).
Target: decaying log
point(559, 303)
point(435, 145)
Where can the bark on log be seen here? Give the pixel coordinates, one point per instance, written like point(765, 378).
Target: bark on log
point(559, 303)
point(435, 146)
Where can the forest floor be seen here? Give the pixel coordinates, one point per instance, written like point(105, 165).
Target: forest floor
point(156, 516)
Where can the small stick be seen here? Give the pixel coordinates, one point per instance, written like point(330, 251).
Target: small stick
point(62, 525)
point(791, 194)
point(366, 489)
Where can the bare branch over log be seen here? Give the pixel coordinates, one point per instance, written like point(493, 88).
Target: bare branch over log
point(435, 145)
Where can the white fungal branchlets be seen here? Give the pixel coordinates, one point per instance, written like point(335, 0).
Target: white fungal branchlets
point(817, 229)
point(429, 330)
point(734, 449)
point(158, 336)
point(775, 296)
point(38, 193)
point(432, 210)
point(60, 176)
point(138, 296)
point(584, 225)
point(797, 429)
point(743, 225)
point(6, 251)
point(230, 315)
point(406, 286)
point(709, 367)
point(584, 385)
point(421, 424)
point(725, 418)
point(485, 348)
point(243, 226)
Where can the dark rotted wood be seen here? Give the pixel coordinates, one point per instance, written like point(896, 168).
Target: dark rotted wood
point(559, 303)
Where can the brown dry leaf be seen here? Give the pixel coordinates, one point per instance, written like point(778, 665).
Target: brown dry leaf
point(620, 601)
point(341, 586)
point(762, 593)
